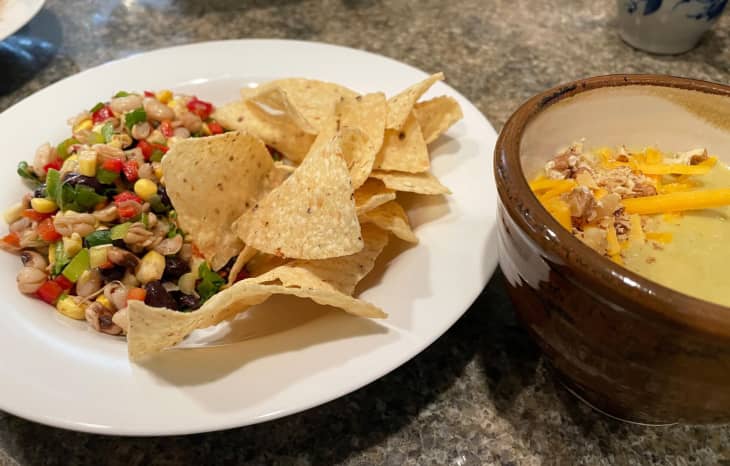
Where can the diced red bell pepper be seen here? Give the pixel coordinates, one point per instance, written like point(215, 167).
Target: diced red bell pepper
point(55, 164)
point(64, 282)
point(149, 94)
point(166, 129)
point(126, 196)
point(113, 165)
point(127, 211)
point(148, 149)
point(12, 238)
point(47, 231)
point(131, 170)
point(50, 292)
point(215, 127)
point(200, 107)
point(101, 115)
point(34, 215)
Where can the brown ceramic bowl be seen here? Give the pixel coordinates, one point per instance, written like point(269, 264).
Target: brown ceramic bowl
point(628, 346)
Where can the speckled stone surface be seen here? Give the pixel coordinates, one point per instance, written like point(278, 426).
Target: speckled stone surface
point(481, 394)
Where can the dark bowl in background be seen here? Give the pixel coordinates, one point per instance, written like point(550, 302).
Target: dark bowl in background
point(626, 345)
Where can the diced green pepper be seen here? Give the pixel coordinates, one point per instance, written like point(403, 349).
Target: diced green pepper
point(86, 198)
point(97, 107)
point(60, 259)
point(98, 237)
point(95, 138)
point(78, 265)
point(134, 117)
point(120, 231)
point(157, 155)
point(121, 94)
point(156, 204)
point(107, 131)
point(106, 176)
point(53, 186)
point(62, 148)
point(98, 255)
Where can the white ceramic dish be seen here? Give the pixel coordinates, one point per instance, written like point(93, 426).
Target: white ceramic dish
point(15, 13)
point(288, 355)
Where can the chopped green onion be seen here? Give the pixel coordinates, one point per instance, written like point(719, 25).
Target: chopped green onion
point(121, 94)
point(63, 147)
point(120, 231)
point(106, 176)
point(210, 282)
point(145, 219)
point(78, 265)
point(134, 117)
point(27, 174)
point(98, 237)
point(107, 131)
point(97, 107)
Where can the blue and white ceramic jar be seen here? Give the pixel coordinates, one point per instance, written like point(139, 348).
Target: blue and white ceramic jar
point(667, 26)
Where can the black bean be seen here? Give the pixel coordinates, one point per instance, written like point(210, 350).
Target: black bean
point(119, 243)
point(75, 179)
point(162, 192)
point(187, 302)
point(157, 296)
point(175, 268)
point(113, 273)
point(40, 191)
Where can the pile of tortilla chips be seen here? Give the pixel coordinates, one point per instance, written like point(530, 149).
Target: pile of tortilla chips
point(311, 224)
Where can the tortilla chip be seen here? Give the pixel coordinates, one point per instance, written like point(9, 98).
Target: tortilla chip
point(366, 115)
point(338, 274)
point(437, 115)
point(371, 195)
point(311, 215)
point(210, 181)
point(314, 100)
point(243, 258)
point(400, 106)
point(275, 102)
point(404, 150)
point(283, 136)
point(391, 217)
point(153, 329)
point(421, 183)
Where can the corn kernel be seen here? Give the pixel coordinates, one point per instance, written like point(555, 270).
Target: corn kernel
point(72, 245)
point(104, 301)
point(145, 188)
point(206, 130)
point(157, 167)
point(164, 96)
point(13, 213)
point(43, 206)
point(86, 124)
point(98, 255)
point(69, 307)
point(150, 267)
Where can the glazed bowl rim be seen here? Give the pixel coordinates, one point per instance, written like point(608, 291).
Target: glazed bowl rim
point(596, 273)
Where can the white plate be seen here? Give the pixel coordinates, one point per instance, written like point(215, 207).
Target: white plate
point(15, 13)
point(293, 355)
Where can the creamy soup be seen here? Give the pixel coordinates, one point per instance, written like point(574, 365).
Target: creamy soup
point(664, 216)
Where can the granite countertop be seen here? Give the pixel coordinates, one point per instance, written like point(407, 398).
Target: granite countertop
point(481, 394)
